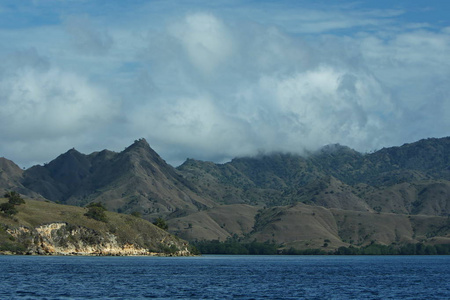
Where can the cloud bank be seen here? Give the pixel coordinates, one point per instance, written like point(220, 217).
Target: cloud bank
point(214, 82)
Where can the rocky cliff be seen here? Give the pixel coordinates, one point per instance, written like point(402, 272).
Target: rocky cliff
point(65, 239)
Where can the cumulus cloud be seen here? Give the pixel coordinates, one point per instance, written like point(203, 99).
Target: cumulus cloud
point(40, 102)
point(282, 92)
point(319, 106)
point(209, 82)
point(205, 39)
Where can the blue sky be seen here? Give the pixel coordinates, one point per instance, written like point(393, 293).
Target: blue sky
point(213, 80)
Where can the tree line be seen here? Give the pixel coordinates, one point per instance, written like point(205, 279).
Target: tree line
point(233, 246)
point(406, 249)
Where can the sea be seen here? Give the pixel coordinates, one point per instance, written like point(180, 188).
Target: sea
point(225, 277)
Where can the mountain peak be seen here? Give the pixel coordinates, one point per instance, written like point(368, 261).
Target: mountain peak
point(72, 152)
point(337, 148)
point(72, 157)
point(139, 144)
point(140, 150)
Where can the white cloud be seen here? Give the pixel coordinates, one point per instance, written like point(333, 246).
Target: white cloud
point(282, 92)
point(205, 39)
point(43, 103)
point(50, 103)
point(209, 82)
point(312, 108)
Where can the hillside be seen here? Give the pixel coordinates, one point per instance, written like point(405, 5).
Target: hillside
point(395, 195)
point(136, 179)
point(335, 177)
point(396, 186)
point(304, 226)
point(47, 228)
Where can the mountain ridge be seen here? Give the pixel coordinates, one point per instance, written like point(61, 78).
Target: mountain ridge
point(204, 200)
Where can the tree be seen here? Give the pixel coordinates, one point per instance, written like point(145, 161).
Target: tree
point(8, 208)
point(161, 223)
point(96, 211)
point(136, 214)
point(14, 198)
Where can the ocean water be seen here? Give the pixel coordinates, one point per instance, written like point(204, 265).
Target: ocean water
point(225, 277)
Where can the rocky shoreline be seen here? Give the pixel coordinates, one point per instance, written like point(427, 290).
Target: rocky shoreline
point(66, 240)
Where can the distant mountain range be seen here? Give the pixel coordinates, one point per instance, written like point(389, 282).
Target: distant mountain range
point(333, 197)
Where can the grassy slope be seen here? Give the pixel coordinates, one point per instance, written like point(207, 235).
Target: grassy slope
point(127, 228)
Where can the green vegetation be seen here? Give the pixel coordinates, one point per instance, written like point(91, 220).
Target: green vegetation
point(96, 211)
point(8, 243)
point(161, 223)
point(14, 199)
point(136, 214)
point(11, 247)
point(8, 209)
point(407, 249)
point(377, 249)
point(172, 249)
point(292, 251)
point(234, 246)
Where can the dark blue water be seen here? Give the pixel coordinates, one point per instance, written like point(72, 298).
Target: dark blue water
point(225, 277)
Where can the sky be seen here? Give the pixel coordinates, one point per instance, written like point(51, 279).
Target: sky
point(214, 80)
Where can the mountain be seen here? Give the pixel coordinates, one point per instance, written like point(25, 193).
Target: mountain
point(10, 175)
point(136, 179)
point(334, 177)
point(394, 195)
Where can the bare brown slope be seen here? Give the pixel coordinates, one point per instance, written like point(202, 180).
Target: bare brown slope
point(219, 223)
point(10, 177)
point(10, 174)
point(300, 226)
point(304, 226)
point(431, 197)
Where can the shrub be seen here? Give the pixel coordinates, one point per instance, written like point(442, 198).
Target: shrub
point(14, 198)
point(136, 214)
point(172, 249)
point(96, 211)
point(12, 247)
point(96, 204)
point(8, 208)
point(161, 223)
